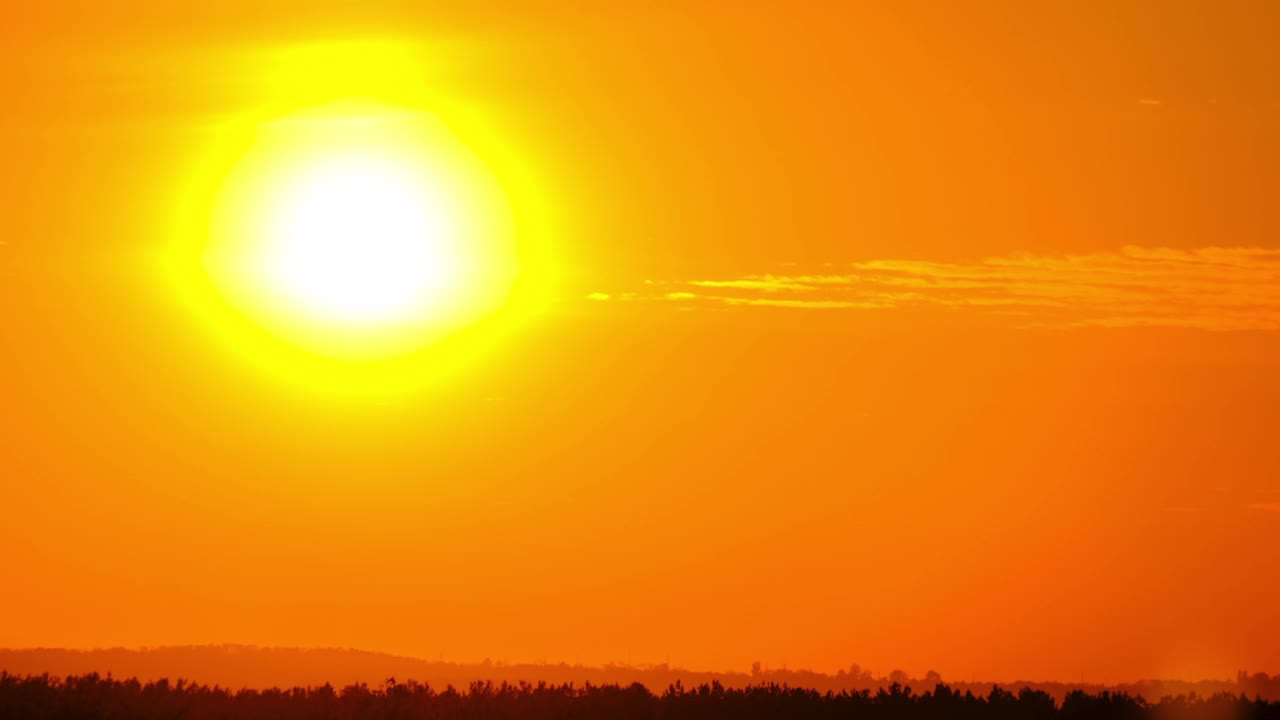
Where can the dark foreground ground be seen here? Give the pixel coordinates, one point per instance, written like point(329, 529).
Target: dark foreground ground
point(92, 696)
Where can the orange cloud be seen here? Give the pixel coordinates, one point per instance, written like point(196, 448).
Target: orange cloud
point(1208, 288)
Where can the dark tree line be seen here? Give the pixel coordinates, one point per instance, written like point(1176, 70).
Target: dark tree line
point(91, 697)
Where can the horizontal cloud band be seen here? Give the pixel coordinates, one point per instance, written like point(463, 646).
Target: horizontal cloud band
point(1210, 288)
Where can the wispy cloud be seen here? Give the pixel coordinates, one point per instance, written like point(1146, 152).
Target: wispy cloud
point(1213, 288)
point(778, 302)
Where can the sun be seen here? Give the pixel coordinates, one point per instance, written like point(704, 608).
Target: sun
point(361, 231)
point(359, 226)
point(359, 240)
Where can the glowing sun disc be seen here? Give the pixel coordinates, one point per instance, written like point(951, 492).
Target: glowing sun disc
point(361, 231)
point(358, 240)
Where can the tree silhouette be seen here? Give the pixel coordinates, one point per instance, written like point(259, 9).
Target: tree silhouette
point(80, 697)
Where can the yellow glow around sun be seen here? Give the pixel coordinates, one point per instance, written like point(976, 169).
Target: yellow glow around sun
point(359, 230)
point(355, 232)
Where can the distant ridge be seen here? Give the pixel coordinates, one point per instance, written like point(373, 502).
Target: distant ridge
point(245, 666)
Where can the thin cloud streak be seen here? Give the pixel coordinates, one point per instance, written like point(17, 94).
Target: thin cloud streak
point(1212, 288)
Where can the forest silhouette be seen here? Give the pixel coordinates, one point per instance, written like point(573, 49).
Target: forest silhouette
point(244, 666)
point(93, 696)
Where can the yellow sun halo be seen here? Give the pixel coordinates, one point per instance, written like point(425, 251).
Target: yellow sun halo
point(361, 231)
point(357, 230)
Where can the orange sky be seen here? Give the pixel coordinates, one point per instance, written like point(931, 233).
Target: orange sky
point(939, 338)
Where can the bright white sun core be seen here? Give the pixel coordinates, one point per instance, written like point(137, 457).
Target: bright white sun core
point(359, 240)
point(361, 231)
